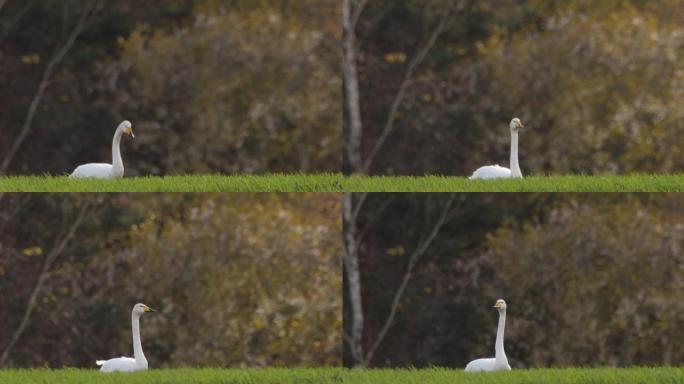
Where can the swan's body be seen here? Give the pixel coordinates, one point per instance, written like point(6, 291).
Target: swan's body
point(128, 364)
point(121, 364)
point(498, 172)
point(492, 172)
point(114, 170)
point(499, 362)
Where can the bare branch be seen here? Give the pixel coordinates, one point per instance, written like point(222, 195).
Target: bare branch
point(359, 205)
point(351, 86)
point(408, 76)
point(352, 242)
point(351, 264)
point(44, 82)
point(49, 261)
point(413, 259)
point(357, 12)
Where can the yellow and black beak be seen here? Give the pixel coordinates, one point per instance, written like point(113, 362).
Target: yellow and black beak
point(130, 133)
point(148, 309)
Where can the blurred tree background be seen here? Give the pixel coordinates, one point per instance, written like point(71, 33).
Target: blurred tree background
point(238, 279)
point(590, 279)
point(597, 84)
point(209, 85)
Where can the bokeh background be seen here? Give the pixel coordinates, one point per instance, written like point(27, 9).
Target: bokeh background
point(238, 279)
point(590, 279)
point(247, 86)
point(598, 85)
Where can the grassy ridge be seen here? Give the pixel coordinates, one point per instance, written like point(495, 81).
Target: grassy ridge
point(571, 183)
point(339, 183)
point(353, 376)
point(173, 376)
point(189, 183)
point(524, 376)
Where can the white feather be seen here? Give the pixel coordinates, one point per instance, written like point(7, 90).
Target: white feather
point(114, 170)
point(491, 172)
point(95, 170)
point(499, 362)
point(498, 172)
point(128, 364)
point(119, 364)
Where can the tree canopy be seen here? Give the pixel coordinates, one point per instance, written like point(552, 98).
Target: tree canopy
point(590, 279)
point(238, 279)
point(597, 85)
point(210, 86)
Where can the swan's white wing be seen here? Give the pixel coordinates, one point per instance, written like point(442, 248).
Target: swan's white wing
point(481, 365)
point(491, 172)
point(119, 364)
point(93, 170)
point(487, 365)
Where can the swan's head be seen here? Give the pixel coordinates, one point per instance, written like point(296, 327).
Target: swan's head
point(127, 128)
point(141, 308)
point(516, 124)
point(500, 305)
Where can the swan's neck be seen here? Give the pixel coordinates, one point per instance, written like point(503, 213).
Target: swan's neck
point(117, 163)
point(500, 355)
point(515, 167)
point(138, 354)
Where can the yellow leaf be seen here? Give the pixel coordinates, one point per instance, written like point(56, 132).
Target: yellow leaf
point(395, 57)
point(396, 251)
point(32, 58)
point(32, 251)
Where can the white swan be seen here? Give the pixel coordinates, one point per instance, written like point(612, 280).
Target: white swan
point(499, 362)
point(104, 170)
point(498, 172)
point(127, 364)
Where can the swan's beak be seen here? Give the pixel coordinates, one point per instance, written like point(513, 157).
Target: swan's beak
point(130, 133)
point(148, 309)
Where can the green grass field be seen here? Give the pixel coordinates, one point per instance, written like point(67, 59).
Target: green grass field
point(520, 376)
point(172, 376)
point(352, 376)
point(198, 183)
point(340, 183)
